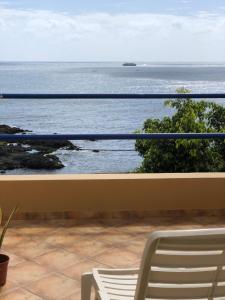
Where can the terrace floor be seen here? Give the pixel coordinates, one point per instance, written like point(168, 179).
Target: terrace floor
point(48, 258)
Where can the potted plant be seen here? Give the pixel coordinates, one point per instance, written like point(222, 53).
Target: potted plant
point(4, 259)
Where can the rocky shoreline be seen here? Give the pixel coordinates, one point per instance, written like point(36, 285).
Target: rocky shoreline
point(30, 154)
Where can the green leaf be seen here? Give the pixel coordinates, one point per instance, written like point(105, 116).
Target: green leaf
point(1, 216)
point(7, 225)
point(188, 115)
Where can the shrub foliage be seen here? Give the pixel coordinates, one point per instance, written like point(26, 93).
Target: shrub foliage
point(184, 155)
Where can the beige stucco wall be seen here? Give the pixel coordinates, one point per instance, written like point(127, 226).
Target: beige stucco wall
point(52, 193)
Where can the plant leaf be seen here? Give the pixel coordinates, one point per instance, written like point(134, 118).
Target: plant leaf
point(1, 216)
point(7, 225)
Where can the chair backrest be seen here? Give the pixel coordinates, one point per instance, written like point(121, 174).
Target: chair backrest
point(183, 264)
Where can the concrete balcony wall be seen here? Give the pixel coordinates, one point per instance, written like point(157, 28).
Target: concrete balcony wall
point(116, 192)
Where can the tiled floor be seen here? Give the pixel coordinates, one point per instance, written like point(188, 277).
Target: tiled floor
point(48, 258)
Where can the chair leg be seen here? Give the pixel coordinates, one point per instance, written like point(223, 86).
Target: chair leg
point(86, 284)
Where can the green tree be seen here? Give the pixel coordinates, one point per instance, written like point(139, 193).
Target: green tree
point(184, 155)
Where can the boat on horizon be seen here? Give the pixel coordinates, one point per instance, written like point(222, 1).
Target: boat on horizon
point(129, 64)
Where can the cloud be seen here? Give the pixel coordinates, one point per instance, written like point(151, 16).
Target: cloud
point(47, 35)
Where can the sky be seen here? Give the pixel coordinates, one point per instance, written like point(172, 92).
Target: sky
point(112, 30)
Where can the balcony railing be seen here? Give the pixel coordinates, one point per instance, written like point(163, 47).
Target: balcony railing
point(113, 96)
point(111, 136)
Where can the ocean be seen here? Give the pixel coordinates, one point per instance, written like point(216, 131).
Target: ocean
point(97, 116)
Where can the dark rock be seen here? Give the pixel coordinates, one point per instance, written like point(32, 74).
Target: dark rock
point(30, 154)
point(8, 149)
point(40, 161)
point(44, 146)
point(15, 156)
point(11, 130)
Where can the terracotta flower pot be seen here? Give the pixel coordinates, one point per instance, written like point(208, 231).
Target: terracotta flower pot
point(4, 260)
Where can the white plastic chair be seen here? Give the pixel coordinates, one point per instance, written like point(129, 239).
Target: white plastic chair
point(181, 264)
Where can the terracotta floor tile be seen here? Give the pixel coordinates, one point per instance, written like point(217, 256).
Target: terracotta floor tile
point(62, 238)
point(118, 258)
point(27, 272)
point(55, 286)
point(30, 249)
point(87, 229)
point(136, 246)
point(72, 249)
point(13, 240)
point(9, 286)
point(100, 236)
point(115, 237)
point(14, 259)
point(62, 235)
point(77, 296)
point(182, 226)
point(58, 259)
point(34, 231)
point(87, 247)
point(19, 294)
point(78, 269)
point(74, 296)
point(83, 229)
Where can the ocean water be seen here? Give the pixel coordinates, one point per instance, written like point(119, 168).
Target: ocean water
point(97, 116)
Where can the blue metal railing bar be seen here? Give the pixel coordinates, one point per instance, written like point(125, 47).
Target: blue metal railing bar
point(131, 136)
point(112, 96)
point(111, 136)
